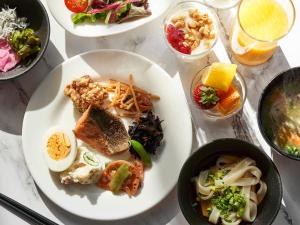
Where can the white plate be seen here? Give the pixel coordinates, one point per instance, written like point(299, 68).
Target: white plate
point(49, 107)
point(63, 17)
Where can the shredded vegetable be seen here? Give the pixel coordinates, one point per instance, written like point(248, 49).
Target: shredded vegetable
point(9, 22)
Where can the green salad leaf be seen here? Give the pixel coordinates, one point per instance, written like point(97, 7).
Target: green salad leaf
point(87, 17)
point(135, 12)
point(123, 10)
point(114, 11)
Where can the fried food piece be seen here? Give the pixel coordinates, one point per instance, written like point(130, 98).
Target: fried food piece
point(85, 92)
point(126, 100)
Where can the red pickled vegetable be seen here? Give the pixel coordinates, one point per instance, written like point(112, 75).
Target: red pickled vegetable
point(176, 38)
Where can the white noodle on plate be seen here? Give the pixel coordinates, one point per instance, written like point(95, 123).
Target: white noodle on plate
point(231, 190)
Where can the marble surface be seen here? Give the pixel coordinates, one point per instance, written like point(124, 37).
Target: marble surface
point(15, 179)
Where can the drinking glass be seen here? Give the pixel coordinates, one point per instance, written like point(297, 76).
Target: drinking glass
point(221, 4)
point(255, 43)
point(214, 114)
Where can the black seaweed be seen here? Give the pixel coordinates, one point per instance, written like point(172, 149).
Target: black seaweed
point(148, 132)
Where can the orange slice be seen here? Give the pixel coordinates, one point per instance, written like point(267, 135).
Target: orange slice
point(229, 101)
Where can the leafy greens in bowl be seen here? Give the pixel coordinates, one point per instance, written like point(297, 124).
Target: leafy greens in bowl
point(98, 28)
point(111, 11)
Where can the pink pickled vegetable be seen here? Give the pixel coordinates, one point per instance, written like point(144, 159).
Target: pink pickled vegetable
point(8, 57)
point(106, 8)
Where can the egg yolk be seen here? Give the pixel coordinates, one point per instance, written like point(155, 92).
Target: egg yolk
point(58, 146)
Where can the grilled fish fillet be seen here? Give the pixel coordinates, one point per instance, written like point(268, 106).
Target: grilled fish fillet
point(102, 131)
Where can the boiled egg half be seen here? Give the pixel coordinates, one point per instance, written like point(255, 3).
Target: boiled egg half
point(60, 148)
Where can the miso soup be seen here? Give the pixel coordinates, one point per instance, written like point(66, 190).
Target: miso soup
point(281, 114)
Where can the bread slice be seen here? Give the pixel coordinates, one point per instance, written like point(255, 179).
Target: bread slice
point(102, 131)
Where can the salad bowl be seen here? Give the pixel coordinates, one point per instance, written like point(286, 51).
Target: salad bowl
point(99, 29)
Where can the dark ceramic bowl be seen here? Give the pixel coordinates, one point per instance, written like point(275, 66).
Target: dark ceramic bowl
point(38, 20)
point(206, 157)
point(281, 81)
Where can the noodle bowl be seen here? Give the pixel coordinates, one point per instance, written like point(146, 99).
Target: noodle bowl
point(249, 176)
point(231, 190)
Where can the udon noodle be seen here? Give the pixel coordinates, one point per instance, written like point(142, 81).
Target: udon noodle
point(231, 190)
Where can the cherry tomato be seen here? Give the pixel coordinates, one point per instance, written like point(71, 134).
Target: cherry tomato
point(77, 6)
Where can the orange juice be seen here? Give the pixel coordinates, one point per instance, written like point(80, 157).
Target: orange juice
point(254, 52)
point(260, 24)
point(264, 20)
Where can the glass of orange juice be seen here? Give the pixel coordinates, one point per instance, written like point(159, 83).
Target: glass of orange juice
point(259, 25)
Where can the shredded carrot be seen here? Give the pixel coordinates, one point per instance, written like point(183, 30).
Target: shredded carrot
point(133, 93)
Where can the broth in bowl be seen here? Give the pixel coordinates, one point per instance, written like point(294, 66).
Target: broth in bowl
point(280, 113)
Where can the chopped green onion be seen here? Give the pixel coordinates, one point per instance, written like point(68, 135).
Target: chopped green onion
point(209, 210)
point(292, 150)
point(229, 199)
point(240, 212)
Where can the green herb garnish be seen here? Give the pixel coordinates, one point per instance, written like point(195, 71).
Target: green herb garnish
point(292, 150)
point(229, 199)
point(25, 43)
point(218, 175)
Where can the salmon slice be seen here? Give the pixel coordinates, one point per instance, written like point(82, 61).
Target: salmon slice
point(102, 131)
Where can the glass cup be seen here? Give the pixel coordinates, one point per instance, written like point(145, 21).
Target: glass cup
point(221, 4)
point(182, 8)
point(214, 113)
point(259, 25)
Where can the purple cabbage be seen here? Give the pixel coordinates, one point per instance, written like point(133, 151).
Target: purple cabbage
point(98, 4)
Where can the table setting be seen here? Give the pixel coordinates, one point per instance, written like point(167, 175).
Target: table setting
point(163, 57)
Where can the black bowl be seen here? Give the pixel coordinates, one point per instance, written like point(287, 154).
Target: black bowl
point(38, 20)
point(206, 157)
point(282, 80)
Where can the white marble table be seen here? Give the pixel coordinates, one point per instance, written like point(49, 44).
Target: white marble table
point(15, 179)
